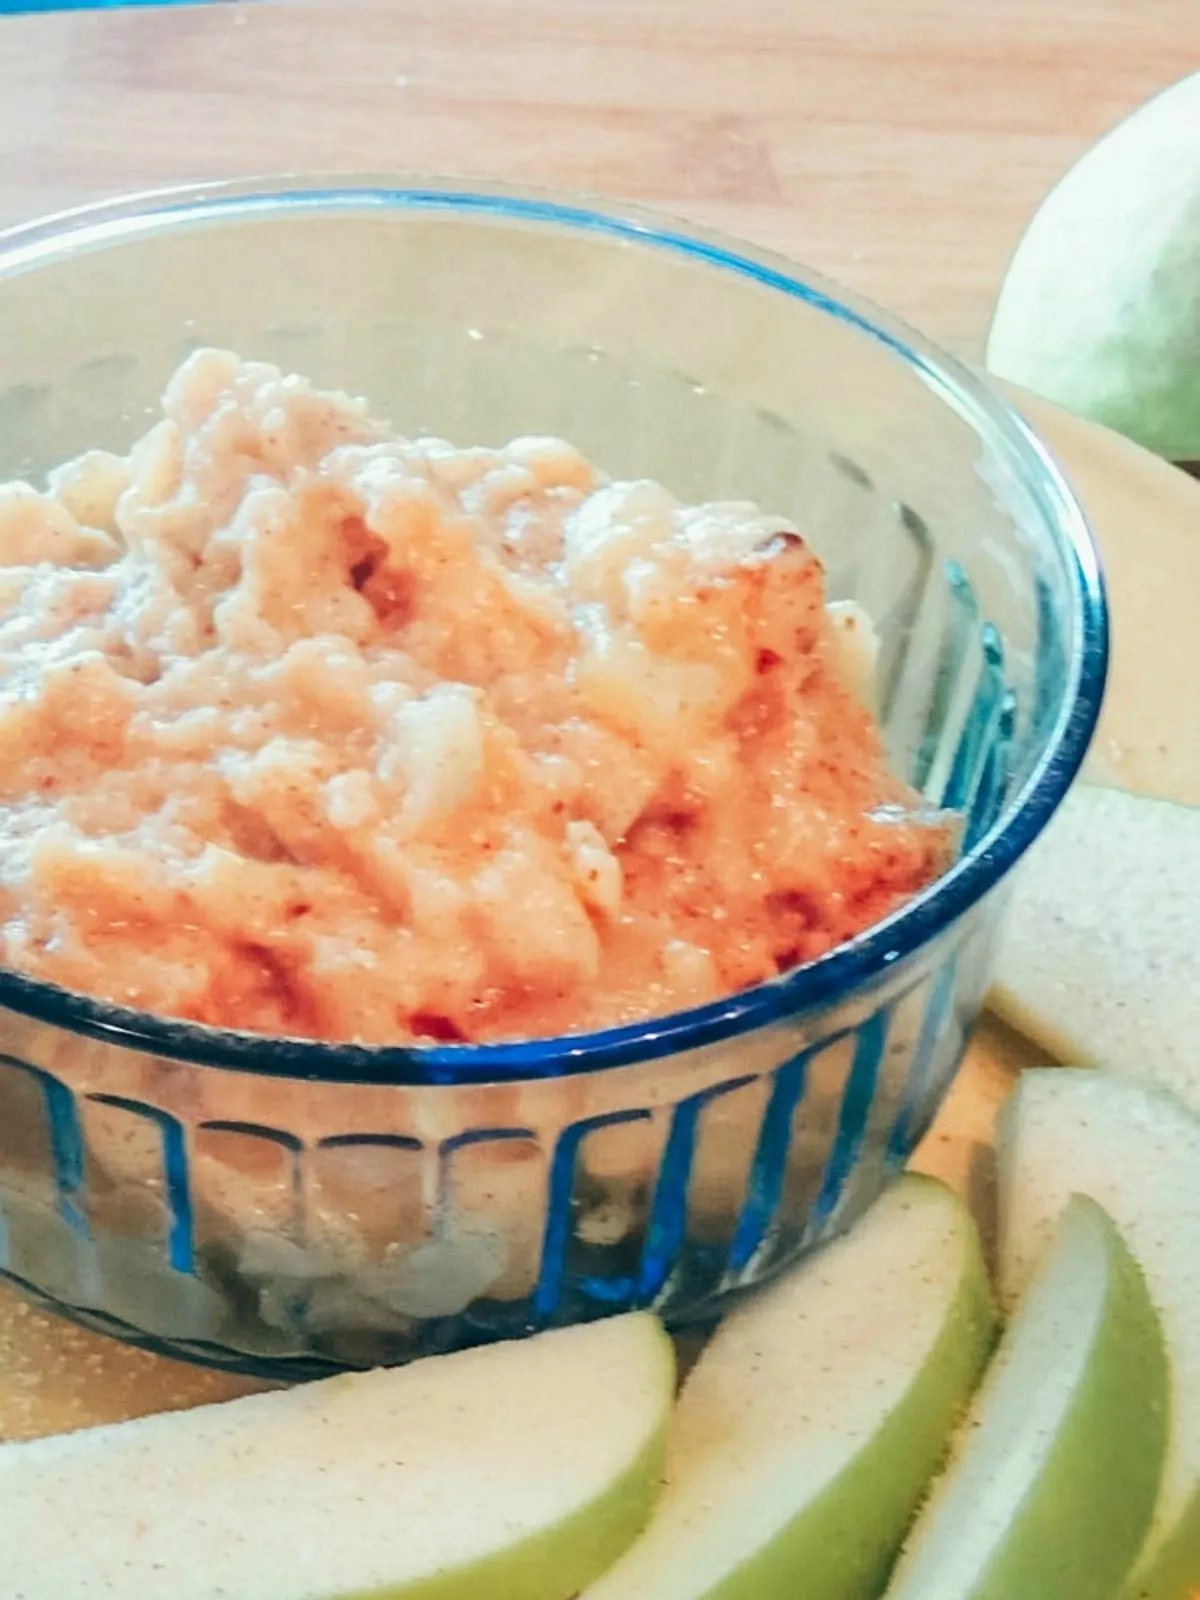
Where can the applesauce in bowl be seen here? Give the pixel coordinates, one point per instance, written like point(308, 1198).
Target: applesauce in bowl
point(452, 890)
point(296, 713)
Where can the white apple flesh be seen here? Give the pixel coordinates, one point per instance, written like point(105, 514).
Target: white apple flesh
point(1051, 1488)
point(809, 1427)
point(521, 1470)
point(1100, 958)
point(1137, 1152)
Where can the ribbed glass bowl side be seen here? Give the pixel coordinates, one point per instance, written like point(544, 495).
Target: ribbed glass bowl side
point(372, 1224)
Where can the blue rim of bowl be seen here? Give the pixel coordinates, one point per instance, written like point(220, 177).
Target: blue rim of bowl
point(851, 968)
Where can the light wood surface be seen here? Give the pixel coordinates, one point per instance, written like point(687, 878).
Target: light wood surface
point(898, 147)
point(898, 144)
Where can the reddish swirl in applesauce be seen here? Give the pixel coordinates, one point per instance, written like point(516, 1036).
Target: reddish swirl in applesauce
point(313, 730)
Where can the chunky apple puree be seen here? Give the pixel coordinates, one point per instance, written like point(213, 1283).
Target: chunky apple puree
point(314, 730)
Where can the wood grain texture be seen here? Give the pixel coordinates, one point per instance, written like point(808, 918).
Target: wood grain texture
point(899, 147)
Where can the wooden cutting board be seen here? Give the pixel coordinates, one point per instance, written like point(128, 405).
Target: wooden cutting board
point(901, 148)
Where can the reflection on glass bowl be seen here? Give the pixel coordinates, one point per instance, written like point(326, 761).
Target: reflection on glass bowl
point(290, 1205)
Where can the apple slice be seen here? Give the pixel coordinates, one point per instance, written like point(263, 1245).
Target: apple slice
point(809, 1427)
point(520, 1470)
point(1137, 1152)
point(1050, 1492)
point(1100, 960)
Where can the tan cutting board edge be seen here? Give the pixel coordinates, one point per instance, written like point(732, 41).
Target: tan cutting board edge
point(1146, 517)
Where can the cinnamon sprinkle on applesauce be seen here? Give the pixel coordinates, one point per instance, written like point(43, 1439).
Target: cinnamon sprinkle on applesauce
point(314, 730)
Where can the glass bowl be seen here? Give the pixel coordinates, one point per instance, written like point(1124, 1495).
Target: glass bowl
point(291, 1207)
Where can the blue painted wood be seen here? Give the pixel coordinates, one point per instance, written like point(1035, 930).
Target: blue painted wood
point(10, 8)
